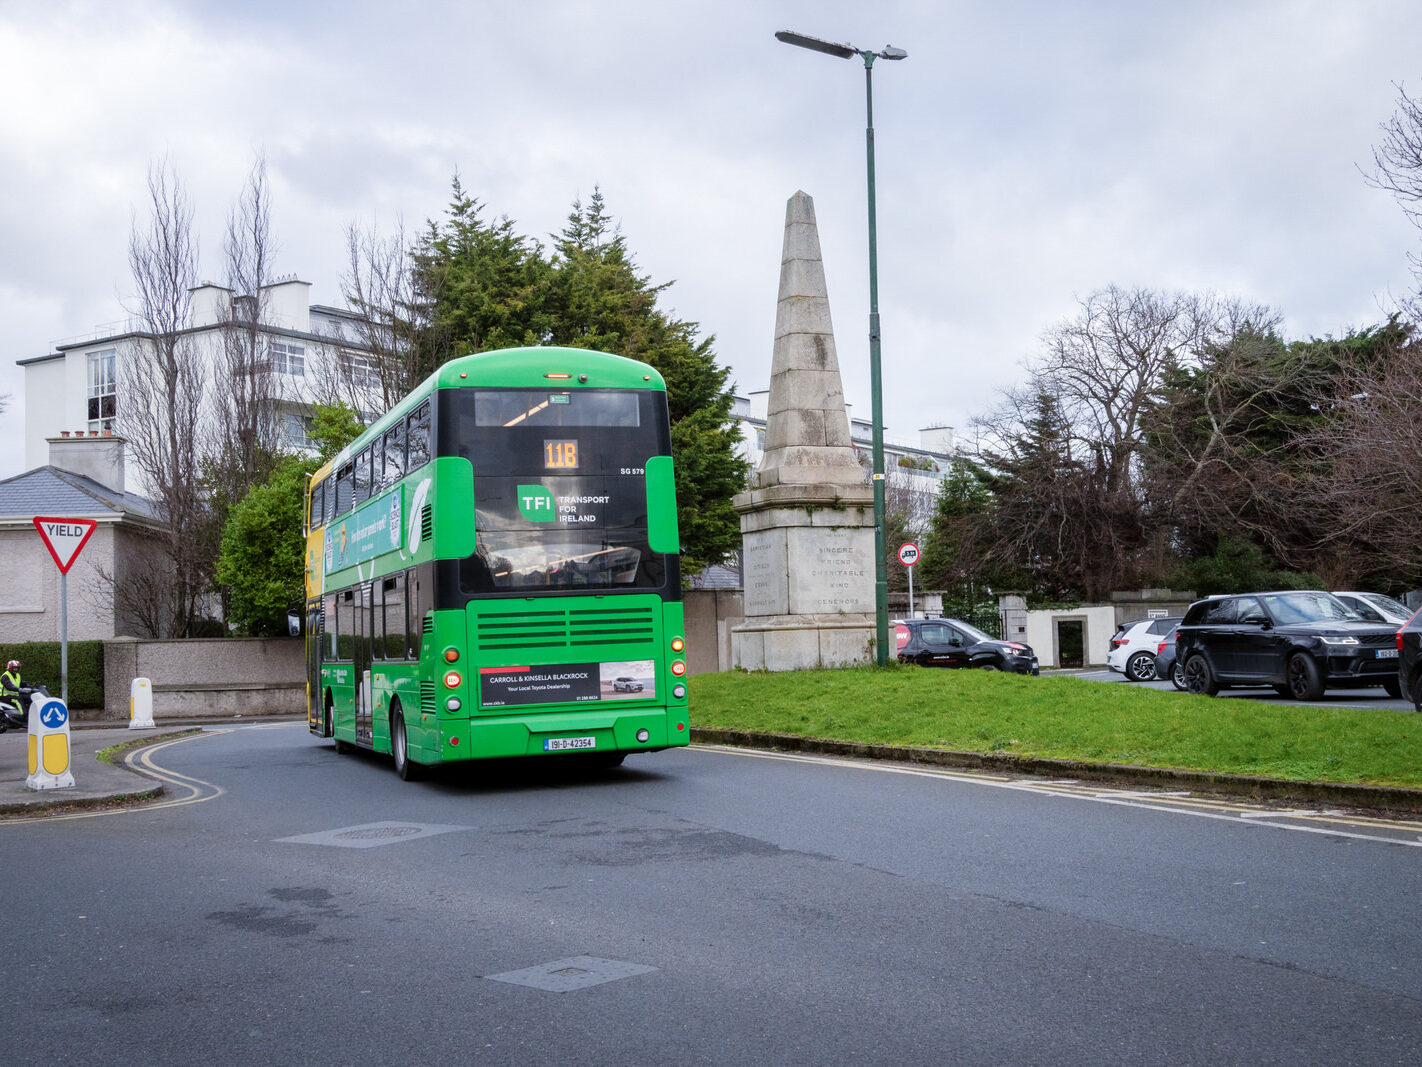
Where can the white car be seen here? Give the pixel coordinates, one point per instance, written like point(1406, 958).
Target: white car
point(1377, 608)
point(1133, 648)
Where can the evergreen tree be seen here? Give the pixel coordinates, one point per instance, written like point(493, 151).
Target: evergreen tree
point(599, 300)
point(479, 286)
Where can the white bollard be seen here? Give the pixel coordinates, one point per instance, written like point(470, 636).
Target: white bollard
point(49, 744)
point(140, 705)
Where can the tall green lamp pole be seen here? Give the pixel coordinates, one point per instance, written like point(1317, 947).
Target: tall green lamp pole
point(876, 381)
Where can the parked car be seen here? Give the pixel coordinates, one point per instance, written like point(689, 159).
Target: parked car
point(1409, 660)
point(626, 685)
point(1167, 664)
point(1133, 648)
point(1375, 607)
point(1301, 642)
point(951, 643)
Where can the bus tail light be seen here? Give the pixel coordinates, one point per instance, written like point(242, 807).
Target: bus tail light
point(678, 668)
point(453, 704)
point(679, 691)
point(452, 680)
point(677, 644)
point(451, 655)
point(644, 736)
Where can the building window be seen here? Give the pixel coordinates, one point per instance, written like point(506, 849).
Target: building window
point(362, 370)
point(296, 432)
point(283, 357)
point(103, 390)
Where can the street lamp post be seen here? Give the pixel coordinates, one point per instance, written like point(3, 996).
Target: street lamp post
point(881, 573)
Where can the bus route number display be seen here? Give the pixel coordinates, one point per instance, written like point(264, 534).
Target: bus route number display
point(561, 455)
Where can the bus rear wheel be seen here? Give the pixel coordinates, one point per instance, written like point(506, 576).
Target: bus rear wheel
point(330, 728)
point(406, 768)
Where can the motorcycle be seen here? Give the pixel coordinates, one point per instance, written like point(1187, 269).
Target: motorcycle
point(15, 716)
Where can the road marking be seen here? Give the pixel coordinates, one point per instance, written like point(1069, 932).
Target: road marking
point(1220, 810)
point(196, 791)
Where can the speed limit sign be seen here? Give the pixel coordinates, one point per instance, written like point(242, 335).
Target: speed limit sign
point(908, 553)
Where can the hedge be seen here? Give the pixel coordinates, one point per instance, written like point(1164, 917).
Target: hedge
point(40, 665)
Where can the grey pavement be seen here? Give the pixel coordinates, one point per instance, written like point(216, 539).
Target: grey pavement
point(96, 783)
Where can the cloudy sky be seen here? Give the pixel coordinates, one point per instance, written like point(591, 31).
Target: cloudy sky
point(1028, 153)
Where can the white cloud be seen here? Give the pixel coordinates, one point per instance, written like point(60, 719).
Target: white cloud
point(1027, 153)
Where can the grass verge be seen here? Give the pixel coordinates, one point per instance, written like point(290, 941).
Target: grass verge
point(1068, 718)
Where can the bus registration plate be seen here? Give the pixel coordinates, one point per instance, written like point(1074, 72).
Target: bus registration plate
point(564, 744)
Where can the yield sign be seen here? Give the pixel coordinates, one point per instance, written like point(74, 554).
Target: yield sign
point(64, 538)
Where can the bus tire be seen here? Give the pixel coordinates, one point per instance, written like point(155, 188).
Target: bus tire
point(406, 768)
point(330, 727)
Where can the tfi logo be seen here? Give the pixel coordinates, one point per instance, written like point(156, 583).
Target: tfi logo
point(536, 504)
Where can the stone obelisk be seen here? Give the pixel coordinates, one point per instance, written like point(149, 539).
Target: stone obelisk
point(807, 520)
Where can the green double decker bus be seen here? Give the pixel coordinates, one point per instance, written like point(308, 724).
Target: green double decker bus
point(492, 568)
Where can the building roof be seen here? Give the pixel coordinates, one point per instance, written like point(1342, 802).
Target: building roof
point(53, 491)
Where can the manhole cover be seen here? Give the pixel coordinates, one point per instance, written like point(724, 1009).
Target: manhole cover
point(378, 833)
point(371, 835)
point(578, 972)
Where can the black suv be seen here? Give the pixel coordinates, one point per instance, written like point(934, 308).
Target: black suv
point(950, 643)
point(1409, 660)
point(1300, 642)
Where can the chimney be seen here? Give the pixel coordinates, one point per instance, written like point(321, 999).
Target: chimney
point(99, 458)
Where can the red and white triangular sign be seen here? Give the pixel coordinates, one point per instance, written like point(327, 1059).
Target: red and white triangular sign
point(64, 538)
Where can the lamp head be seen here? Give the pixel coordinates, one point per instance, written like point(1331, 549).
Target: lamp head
point(814, 44)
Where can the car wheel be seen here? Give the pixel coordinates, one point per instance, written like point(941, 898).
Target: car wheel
point(1199, 679)
point(1305, 683)
point(1393, 687)
point(1140, 667)
point(406, 768)
point(1414, 686)
point(1177, 676)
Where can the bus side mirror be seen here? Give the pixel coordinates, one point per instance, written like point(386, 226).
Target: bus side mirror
point(662, 533)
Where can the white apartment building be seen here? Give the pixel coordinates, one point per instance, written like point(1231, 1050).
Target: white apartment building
point(918, 468)
point(78, 389)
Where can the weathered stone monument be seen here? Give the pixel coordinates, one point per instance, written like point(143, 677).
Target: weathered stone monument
point(808, 518)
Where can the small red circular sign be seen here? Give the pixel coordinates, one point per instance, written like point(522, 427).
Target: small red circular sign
point(908, 553)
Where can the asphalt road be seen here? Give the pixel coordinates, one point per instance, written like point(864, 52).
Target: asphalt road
point(286, 904)
point(1369, 697)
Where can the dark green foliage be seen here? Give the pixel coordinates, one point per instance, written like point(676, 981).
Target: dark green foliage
point(486, 288)
point(1238, 567)
point(263, 553)
point(40, 665)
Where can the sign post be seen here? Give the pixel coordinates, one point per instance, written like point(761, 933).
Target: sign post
point(64, 538)
point(908, 556)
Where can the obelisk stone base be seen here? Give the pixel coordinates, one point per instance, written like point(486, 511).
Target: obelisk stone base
point(808, 552)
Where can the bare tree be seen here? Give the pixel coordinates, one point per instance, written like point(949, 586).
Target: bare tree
point(242, 447)
point(163, 387)
point(1398, 162)
point(379, 285)
point(1365, 466)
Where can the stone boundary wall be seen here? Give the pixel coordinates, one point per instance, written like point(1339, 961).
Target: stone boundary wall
point(200, 677)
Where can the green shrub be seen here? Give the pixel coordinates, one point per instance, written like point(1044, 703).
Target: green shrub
point(40, 665)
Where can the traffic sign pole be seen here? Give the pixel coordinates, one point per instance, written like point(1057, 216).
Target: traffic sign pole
point(908, 556)
point(65, 539)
